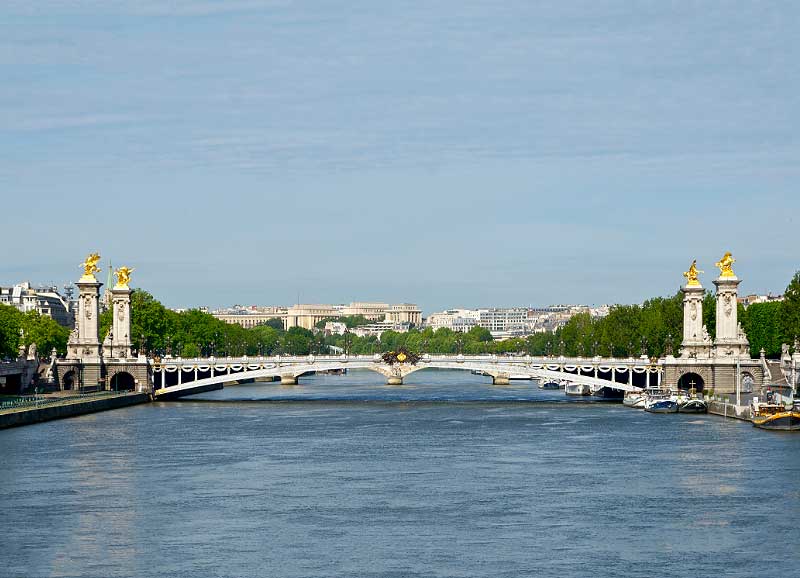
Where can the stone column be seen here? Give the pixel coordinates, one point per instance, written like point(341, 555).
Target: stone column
point(693, 334)
point(86, 344)
point(121, 331)
point(729, 340)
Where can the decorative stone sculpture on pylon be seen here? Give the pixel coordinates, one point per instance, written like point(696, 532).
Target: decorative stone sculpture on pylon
point(730, 338)
point(696, 342)
point(121, 302)
point(84, 342)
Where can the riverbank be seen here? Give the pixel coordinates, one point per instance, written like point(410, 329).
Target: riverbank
point(50, 408)
point(731, 410)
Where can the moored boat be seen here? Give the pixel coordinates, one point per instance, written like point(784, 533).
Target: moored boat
point(692, 405)
point(577, 389)
point(691, 402)
point(660, 401)
point(775, 416)
point(633, 399)
point(549, 385)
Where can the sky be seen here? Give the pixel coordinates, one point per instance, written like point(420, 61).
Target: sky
point(445, 153)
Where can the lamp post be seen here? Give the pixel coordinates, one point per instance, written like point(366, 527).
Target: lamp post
point(347, 339)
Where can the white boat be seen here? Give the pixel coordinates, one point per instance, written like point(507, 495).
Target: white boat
point(634, 399)
point(577, 389)
point(660, 401)
point(689, 403)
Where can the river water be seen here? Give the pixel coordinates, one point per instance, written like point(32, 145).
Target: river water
point(446, 476)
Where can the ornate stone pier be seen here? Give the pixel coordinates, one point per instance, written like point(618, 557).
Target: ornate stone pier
point(725, 363)
point(90, 366)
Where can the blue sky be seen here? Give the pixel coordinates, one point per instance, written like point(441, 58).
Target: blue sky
point(444, 153)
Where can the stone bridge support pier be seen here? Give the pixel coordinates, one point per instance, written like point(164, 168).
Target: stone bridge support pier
point(501, 379)
point(288, 379)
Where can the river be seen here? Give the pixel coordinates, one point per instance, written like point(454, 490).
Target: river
point(446, 476)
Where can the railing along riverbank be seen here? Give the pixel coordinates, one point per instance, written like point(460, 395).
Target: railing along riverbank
point(35, 409)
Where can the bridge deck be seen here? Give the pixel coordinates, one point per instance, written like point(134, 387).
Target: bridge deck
point(549, 369)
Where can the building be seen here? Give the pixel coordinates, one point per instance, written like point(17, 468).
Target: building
point(512, 321)
point(404, 313)
point(307, 316)
point(461, 320)
point(249, 317)
point(371, 311)
point(748, 300)
point(44, 300)
point(334, 328)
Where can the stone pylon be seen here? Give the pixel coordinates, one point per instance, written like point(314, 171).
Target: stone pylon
point(84, 343)
point(730, 339)
point(696, 340)
point(121, 328)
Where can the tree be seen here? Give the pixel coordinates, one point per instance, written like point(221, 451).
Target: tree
point(790, 310)
point(45, 333)
point(275, 323)
point(297, 341)
point(10, 320)
point(39, 329)
point(762, 323)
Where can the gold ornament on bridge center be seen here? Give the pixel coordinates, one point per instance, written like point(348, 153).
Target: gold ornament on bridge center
point(90, 268)
point(725, 265)
point(123, 275)
point(401, 357)
point(691, 275)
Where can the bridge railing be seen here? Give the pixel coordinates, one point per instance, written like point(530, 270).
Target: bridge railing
point(426, 358)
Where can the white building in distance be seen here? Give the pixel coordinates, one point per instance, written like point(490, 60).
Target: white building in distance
point(44, 300)
point(508, 322)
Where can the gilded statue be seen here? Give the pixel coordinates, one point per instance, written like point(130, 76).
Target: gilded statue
point(90, 267)
point(691, 275)
point(123, 275)
point(725, 265)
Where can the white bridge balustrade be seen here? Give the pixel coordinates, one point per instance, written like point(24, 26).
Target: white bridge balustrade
point(175, 377)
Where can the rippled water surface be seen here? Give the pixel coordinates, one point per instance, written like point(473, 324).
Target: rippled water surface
point(445, 476)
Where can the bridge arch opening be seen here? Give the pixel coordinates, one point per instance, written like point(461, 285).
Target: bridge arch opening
point(68, 381)
point(691, 380)
point(123, 381)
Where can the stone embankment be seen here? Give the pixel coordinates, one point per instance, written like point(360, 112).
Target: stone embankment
point(45, 409)
point(731, 410)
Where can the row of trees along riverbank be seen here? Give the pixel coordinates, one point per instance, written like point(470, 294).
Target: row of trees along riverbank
point(652, 328)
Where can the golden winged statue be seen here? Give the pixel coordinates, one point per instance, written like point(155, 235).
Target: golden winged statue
point(90, 267)
point(691, 275)
point(123, 275)
point(725, 265)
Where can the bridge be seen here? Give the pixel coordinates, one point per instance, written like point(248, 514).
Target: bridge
point(177, 377)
